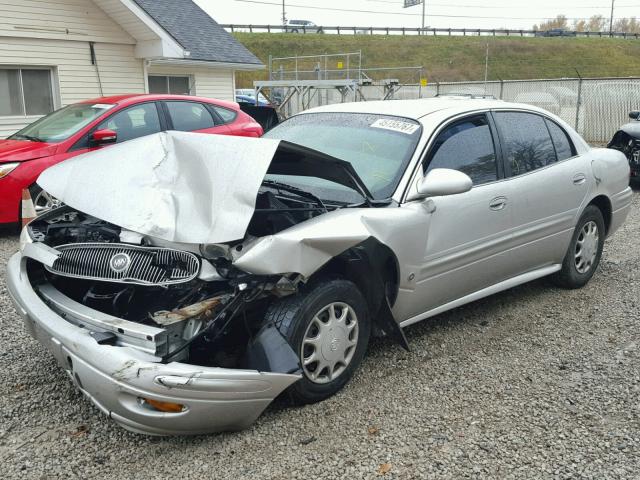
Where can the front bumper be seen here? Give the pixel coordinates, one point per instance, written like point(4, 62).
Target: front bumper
point(114, 378)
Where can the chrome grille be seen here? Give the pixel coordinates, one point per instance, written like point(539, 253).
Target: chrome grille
point(145, 265)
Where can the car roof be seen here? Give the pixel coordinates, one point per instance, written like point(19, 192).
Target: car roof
point(416, 109)
point(132, 98)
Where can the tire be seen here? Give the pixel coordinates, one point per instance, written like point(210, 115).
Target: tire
point(577, 270)
point(299, 318)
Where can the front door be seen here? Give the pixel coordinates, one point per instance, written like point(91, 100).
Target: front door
point(468, 235)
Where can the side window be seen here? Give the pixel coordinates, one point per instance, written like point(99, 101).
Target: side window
point(227, 115)
point(561, 142)
point(133, 122)
point(466, 146)
point(525, 141)
point(189, 116)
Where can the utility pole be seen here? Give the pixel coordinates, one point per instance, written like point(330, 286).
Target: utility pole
point(611, 19)
point(486, 68)
point(284, 16)
point(411, 3)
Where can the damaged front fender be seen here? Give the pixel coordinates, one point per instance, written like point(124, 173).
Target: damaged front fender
point(306, 247)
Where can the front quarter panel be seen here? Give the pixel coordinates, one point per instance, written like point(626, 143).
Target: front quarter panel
point(306, 247)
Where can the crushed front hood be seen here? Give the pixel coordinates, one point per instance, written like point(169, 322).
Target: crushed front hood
point(176, 186)
point(185, 187)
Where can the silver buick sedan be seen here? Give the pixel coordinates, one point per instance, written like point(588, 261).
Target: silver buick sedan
point(191, 279)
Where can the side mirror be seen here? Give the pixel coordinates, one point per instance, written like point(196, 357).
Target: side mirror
point(103, 137)
point(442, 181)
point(635, 115)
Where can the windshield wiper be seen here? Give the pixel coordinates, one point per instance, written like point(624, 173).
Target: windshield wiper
point(295, 190)
point(31, 138)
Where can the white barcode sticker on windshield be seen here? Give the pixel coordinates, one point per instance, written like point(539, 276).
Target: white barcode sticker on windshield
point(395, 125)
point(102, 106)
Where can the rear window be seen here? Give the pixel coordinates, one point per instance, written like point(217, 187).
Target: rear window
point(561, 142)
point(225, 114)
point(526, 141)
point(189, 116)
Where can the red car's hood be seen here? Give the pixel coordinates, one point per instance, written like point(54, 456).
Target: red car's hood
point(21, 150)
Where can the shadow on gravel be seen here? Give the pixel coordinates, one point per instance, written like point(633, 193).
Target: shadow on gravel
point(8, 231)
point(480, 313)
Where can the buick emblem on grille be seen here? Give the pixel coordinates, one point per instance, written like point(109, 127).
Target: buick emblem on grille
point(124, 263)
point(120, 262)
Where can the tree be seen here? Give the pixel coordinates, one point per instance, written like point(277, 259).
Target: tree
point(559, 22)
point(626, 25)
point(596, 23)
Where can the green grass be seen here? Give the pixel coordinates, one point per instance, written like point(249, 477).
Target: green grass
point(459, 58)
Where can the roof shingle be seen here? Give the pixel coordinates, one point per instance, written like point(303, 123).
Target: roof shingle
point(197, 32)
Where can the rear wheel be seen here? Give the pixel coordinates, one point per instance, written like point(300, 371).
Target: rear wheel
point(585, 250)
point(328, 326)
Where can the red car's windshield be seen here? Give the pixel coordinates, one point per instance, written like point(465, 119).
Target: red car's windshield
point(63, 123)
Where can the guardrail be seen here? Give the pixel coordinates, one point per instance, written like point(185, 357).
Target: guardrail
point(338, 30)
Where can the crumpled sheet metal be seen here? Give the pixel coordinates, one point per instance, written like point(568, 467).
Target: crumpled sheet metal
point(176, 186)
point(306, 247)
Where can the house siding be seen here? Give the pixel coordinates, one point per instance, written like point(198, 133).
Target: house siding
point(75, 78)
point(207, 82)
point(61, 20)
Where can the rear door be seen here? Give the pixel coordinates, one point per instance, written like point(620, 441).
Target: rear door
point(189, 116)
point(549, 183)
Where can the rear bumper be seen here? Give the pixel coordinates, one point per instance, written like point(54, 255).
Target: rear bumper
point(620, 206)
point(115, 378)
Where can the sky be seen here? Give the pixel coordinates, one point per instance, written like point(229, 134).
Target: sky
point(515, 14)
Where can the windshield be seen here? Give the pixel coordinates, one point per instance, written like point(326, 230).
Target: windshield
point(379, 147)
point(63, 123)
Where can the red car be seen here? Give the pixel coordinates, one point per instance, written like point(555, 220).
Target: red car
point(93, 124)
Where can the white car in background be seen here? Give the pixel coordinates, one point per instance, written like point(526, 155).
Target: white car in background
point(302, 26)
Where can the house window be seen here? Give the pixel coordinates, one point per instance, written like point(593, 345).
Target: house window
point(25, 91)
point(170, 84)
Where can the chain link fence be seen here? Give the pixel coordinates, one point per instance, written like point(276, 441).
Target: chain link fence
point(595, 107)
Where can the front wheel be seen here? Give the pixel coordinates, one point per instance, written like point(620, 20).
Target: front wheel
point(585, 250)
point(328, 326)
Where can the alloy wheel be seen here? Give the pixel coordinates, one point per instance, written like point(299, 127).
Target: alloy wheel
point(45, 202)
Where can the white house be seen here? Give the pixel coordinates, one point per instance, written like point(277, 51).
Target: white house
point(57, 52)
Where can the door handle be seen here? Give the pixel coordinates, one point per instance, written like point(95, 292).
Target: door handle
point(579, 179)
point(498, 203)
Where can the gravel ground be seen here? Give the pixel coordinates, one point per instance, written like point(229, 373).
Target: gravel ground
point(535, 382)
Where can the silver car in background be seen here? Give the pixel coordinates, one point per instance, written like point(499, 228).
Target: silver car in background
point(191, 279)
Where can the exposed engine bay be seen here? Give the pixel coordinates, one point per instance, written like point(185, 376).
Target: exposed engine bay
point(197, 306)
point(170, 259)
